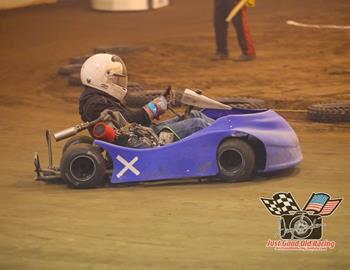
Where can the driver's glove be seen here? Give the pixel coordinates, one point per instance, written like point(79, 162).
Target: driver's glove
point(169, 94)
point(156, 107)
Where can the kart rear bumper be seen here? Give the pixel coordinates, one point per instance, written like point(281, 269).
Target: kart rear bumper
point(45, 174)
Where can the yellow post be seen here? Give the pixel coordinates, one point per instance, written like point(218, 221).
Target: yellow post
point(251, 3)
point(234, 11)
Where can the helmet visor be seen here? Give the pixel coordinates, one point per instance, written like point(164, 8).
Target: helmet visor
point(117, 74)
point(121, 80)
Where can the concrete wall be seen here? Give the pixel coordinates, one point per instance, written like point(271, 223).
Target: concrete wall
point(8, 4)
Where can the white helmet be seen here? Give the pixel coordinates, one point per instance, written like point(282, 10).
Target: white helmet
point(105, 72)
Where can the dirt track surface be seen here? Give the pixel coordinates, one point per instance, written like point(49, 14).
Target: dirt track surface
point(176, 224)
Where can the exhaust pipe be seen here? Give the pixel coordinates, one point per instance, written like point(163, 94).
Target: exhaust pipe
point(66, 133)
point(69, 132)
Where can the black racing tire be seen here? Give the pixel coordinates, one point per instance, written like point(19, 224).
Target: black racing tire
point(330, 112)
point(69, 69)
point(74, 79)
point(248, 106)
point(80, 59)
point(139, 99)
point(76, 140)
point(87, 140)
point(134, 87)
point(254, 102)
point(116, 49)
point(243, 102)
point(83, 166)
point(236, 160)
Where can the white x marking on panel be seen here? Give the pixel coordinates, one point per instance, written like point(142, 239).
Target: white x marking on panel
point(128, 166)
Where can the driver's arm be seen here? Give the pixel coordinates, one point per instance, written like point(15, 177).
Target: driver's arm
point(91, 109)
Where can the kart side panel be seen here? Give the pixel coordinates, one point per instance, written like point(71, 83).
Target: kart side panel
point(194, 157)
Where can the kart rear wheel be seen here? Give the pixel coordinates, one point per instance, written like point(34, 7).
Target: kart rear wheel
point(83, 166)
point(236, 160)
point(77, 140)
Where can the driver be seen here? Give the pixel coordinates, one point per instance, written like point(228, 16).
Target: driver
point(105, 78)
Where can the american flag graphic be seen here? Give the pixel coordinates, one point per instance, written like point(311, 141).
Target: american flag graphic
point(330, 206)
point(316, 202)
point(321, 204)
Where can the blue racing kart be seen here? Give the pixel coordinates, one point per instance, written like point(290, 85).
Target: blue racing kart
point(237, 145)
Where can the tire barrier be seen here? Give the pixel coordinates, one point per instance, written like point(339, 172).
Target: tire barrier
point(75, 63)
point(139, 99)
point(329, 112)
point(243, 102)
point(80, 59)
point(117, 49)
point(74, 79)
point(69, 69)
point(134, 87)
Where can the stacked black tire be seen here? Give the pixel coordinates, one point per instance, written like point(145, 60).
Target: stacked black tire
point(72, 69)
point(137, 98)
point(329, 113)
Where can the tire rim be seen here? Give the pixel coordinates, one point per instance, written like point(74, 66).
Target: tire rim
point(231, 160)
point(82, 168)
point(301, 227)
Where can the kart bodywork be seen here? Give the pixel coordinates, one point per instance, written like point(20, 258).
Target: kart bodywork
point(273, 141)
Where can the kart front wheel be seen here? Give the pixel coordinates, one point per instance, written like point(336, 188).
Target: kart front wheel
point(83, 166)
point(236, 160)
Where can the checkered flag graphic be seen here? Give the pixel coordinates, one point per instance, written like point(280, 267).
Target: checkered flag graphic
point(280, 204)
